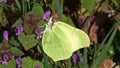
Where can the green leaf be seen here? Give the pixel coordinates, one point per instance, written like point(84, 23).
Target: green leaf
point(89, 5)
point(68, 20)
point(14, 42)
point(16, 51)
point(18, 22)
point(28, 41)
point(37, 9)
point(11, 64)
point(27, 62)
point(116, 3)
point(28, 29)
point(61, 40)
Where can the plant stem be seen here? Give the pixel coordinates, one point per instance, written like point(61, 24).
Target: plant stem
point(18, 4)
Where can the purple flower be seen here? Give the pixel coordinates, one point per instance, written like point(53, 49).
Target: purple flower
point(91, 18)
point(19, 29)
point(39, 36)
point(11, 56)
point(5, 57)
point(37, 66)
point(74, 58)
point(18, 61)
point(74, 61)
point(5, 1)
point(37, 30)
point(5, 35)
point(4, 62)
point(19, 66)
point(64, 61)
point(46, 14)
point(80, 59)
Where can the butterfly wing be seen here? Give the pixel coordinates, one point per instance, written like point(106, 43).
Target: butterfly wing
point(62, 40)
point(75, 38)
point(52, 46)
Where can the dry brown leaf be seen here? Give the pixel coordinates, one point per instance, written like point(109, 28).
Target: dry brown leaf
point(107, 63)
point(93, 33)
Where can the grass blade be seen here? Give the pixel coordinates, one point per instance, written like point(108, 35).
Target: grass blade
point(101, 56)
